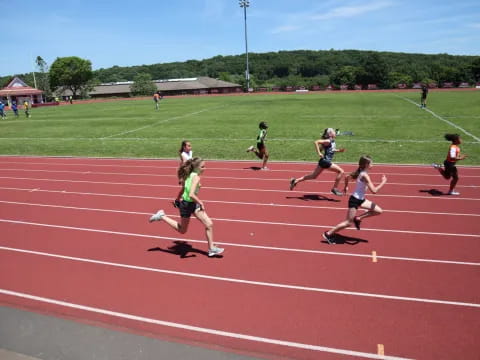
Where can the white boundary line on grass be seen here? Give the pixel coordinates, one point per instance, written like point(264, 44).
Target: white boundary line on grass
point(169, 199)
point(248, 282)
point(261, 247)
point(442, 119)
point(200, 329)
point(161, 121)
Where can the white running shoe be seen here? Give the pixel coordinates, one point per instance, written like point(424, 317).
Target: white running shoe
point(157, 216)
point(215, 251)
point(453, 192)
point(436, 166)
point(251, 148)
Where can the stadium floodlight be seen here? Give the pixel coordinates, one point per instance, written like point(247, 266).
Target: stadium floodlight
point(245, 4)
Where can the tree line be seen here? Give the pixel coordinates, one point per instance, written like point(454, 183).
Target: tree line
point(273, 69)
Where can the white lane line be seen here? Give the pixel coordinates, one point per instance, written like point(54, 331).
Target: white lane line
point(231, 188)
point(200, 329)
point(109, 232)
point(229, 202)
point(243, 162)
point(239, 220)
point(161, 122)
point(441, 118)
point(248, 282)
point(283, 180)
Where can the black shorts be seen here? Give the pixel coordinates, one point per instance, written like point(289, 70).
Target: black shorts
point(187, 208)
point(353, 202)
point(260, 146)
point(324, 164)
point(450, 169)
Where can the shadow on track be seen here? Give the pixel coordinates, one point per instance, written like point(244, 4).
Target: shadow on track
point(182, 249)
point(346, 240)
point(312, 197)
point(433, 192)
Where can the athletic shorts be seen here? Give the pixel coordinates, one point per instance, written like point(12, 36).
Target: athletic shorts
point(450, 169)
point(187, 208)
point(324, 164)
point(260, 146)
point(353, 202)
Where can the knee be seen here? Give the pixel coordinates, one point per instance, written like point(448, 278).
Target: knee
point(209, 225)
point(378, 210)
point(181, 229)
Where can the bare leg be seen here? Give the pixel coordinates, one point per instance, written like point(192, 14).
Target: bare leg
point(339, 176)
point(453, 183)
point(265, 158)
point(344, 224)
point(318, 170)
point(181, 227)
point(205, 220)
point(372, 210)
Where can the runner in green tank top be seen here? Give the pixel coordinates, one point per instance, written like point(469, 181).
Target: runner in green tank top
point(189, 176)
point(261, 150)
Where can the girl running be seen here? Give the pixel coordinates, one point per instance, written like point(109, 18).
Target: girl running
point(327, 144)
point(261, 150)
point(357, 199)
point(453, 155)
point(189, 175)
point(185, 151)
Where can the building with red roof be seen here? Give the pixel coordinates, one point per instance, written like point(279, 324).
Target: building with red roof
point(16, 90)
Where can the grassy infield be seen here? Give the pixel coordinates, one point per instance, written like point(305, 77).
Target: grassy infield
point(385, 125)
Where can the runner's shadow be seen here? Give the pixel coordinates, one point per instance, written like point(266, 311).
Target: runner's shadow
point(254, 168)
point(346, 240)
point(312, 197)
point(433, 192)
point(182, 249)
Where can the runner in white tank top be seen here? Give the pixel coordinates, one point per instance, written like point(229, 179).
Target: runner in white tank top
point(357, 199)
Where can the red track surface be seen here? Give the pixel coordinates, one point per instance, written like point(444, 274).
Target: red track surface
point(75, 243)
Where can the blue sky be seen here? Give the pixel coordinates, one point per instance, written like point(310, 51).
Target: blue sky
point(138, 32)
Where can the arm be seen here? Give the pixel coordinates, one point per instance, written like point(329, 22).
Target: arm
point(374, 189)
point(345, 188)
point(195, 182)
point(318, 144)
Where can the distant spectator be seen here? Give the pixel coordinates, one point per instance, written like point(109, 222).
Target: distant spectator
point(70, 98)
point(15, 108)
point(156, 99)
point(423, 101)
point(2, 111)
point(26, 107)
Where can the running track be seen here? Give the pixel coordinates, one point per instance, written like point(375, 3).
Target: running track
point(76, 243)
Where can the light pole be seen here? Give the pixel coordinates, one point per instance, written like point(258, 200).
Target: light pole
point(244, 4)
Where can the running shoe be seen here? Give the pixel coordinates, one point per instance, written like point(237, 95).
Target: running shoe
point(453, 192)
point(250, 148)
point(157, 216)
point(215, 251)
point(329, 238)
point(436, 166)
point(264, 168)
point(292, 183)
point(337, 192)
point(357, 222)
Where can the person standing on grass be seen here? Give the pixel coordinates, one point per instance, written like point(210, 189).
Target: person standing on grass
point(26, 107)
point(156, 99)
point(450, 168)
point(328, 145)
point(189, 176)
point(261, 151)
point(15, 109)
point(357, 199)
point(2, 111)
point(423, 100)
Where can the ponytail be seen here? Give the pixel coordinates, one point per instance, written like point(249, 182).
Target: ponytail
point(364, 161)
point(182, 146)
point(452, 137)
point(187, 168)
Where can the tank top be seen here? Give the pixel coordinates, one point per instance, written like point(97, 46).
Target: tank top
point(360, 187)
point(329, 150)
point(188, 186)
point(453, 153)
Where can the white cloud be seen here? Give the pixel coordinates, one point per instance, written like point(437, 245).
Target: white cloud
point(352, 11)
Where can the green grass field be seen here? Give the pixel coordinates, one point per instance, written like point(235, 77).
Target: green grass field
point(386, 125)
